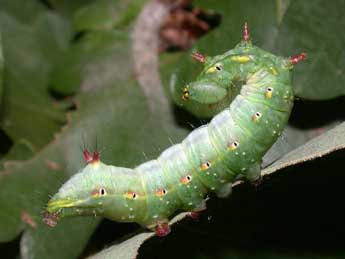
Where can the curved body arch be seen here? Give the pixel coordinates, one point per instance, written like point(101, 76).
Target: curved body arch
point(209, 159)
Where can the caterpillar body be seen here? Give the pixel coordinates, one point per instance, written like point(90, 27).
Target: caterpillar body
point(211, 157)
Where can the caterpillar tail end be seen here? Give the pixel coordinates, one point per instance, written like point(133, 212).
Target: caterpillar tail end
point(51, 219)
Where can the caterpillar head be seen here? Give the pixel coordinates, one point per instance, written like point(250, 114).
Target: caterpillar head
point(211, 92)
point(203, 98)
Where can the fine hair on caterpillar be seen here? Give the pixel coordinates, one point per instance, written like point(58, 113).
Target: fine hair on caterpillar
point(257, 83)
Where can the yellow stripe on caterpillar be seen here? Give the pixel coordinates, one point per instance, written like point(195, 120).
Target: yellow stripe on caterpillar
point(240, 59)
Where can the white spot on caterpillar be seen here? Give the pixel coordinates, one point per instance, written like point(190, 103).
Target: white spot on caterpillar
point(278, 124)
point(131, 209)
point(190, 203)
point(100, 203)
point(195, 187)
point(236, 153)
point(167, 202)
point(274, 132)
point(208, 173)
point(253, 160)
point(266, 121)
point(213, 188)
point(126, 205)
point(123, 218)
point(155, 216)
point(160, 199)
point(188, 186)
point(222, 181)
point(243, 169)
point(215, 175)
point(131, 216)
point(244, 153)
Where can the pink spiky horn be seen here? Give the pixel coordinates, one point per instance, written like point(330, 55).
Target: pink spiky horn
point(91, 159)
point(245, 32)
point(297, 58)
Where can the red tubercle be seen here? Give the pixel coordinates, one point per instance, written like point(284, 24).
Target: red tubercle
point(199, 57)
point(162, 229)
point(245, 33)
point(95, 157)
point(297, 58)
point(91, 159)
point(87, 156)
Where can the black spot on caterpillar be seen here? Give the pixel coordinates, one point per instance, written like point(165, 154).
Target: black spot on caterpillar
point(208, 160)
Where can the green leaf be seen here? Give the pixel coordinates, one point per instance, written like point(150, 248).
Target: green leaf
point(322, 76)
point(24, 11)
point(94, 62)
point(21, 150)
point(106, 14)
point(30, 53)
point(1, 70)
point(44, 242)
point(68, 7)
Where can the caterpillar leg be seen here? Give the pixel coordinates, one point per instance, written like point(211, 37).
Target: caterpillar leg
point(224, 191)
point(256, 183)
point(195, 214)
point(253, 174)
point(162, 229)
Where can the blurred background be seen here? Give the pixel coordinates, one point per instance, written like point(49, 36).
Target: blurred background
point(108, 74)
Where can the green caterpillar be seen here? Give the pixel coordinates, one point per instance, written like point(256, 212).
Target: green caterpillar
point(211, 158)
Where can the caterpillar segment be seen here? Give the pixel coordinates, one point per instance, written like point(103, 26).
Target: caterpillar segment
point(211, 157)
